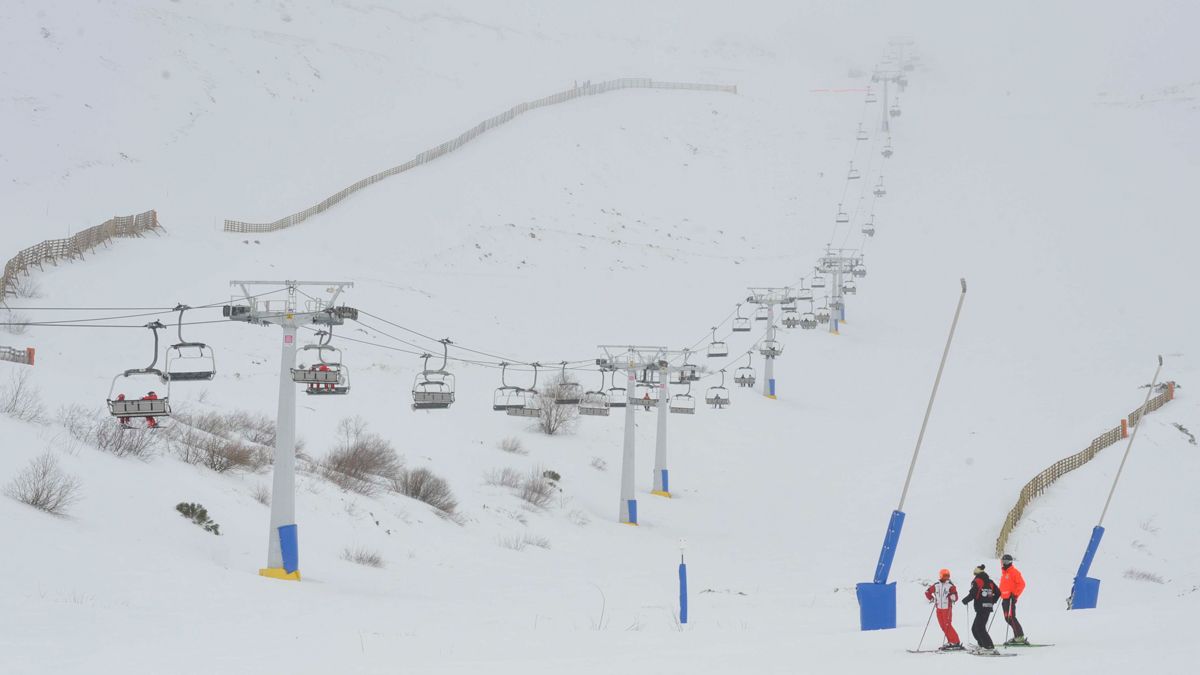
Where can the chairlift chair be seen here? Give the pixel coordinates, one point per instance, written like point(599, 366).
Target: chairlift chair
point(868, 227)
point(188, 361)
point(617, 396)
point(871, 96)
point(837, 305)
point(646, 395)
point(744, 375)
point(853, 174)
point(567, 392)
point(887, 149)
point(791, 319)
point(507, 395)
point(595, 402)
point(433, 389)
point(842, 216)
point(823, 313)
point(849, 287)
point(683, 404)
point(804, 294)
point(894, 111)
point(717, 349)
point(770, 348)
point(326, 375)
point(808, 320)
point(859, 271)
point(818, 280)
point(861, 134)
point(150, 405)
point(718, 396)
point(762, 313)
point(741, 324)
point(879, 189)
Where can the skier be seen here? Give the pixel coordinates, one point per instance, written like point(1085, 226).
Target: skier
point(943, 594)
point(984, 593)
point(1012, 585)
point(123, 420)
point(151, 423)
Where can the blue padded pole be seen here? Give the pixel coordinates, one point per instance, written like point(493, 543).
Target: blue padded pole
point(890, 541)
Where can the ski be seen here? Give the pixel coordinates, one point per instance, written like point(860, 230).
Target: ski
point(973, 652)
point(1029, 644)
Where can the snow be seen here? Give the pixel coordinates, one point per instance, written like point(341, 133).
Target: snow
point(1044, 153)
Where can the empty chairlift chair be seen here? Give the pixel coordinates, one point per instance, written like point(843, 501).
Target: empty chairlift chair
point(617, 396)
point(567, 392)
point(741, 324)
point(762, 313)
point(149, 405)
point(594, 403)
point(717, 349)
point(849, 287)
point(434, 389)
point(507, 395)
point(687, 372)
point(853, 174)
point(842, 216)
point(818, 280)
point(718, 396)
point(531, 400)
point(803, 294)
point(861, 134)
point(683, 404)
point(188, 361)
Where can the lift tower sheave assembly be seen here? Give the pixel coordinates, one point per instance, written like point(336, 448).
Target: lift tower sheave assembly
point(289, 313)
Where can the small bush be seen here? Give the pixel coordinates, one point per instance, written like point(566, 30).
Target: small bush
point(360, 459)
point(24, 287)
point(507, 477)
point(198, 515)
point(20, 399)
point(261, 494)
point(536, 490)
point(556, 417)
point(599, 464)
point(200, 447)
point(1142, 575)
point(422, 484)
point(16, 323)
point(101, 430)
point(553, 476)
point(362, 556)
point(518, 542)
point(43, 485)
point(513, 445)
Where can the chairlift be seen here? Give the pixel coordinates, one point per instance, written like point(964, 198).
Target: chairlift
point(617, 396)
point(567, 392)
point(741, 324)
point(808, 320)
point(853, 174)
point(837, 305)
point(718, 396)
point(842, 216)
point(894, 111)
point(744, 375)
point(887, 149)
point(804, 294)
point(879, 189)
point(818, 280)
point(188, 361)
point(149, 405)
point(861, 134)
point(507, 395)
point(595, 402)
point(762, 313)
point(859, 271)
point(687, 372)
point(683, 404)
point(645, 393)
point(434, 389)
point(717, 348)
point(326, 375)
point(823, 313)
point(871, 96)
point(770, 348)
point(791, 318)
point(849, 287)
point(868, 227)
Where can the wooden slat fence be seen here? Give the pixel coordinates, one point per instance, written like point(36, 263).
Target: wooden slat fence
point(585, 89)
point(53, 250)
point(1062, 467)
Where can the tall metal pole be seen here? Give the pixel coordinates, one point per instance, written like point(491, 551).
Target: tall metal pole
point(661, 482)
point(885, 123)
point(769, 368)
point(1129, 446)
point(283, 480)
point(932, 395)
point(628, 510)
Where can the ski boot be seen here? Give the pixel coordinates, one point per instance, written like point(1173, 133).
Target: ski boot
point(1021, 641)
point(952, 647)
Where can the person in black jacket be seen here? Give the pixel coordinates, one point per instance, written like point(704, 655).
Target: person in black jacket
point(985, 593)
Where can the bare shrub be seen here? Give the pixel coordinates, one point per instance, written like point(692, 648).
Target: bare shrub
point(361, 459)
point(555, 417)
point(536, 489)
point(507, 477)
point(25, 287)
point(198, 446)
point(513, 444)
point(261, 494)
point(1143, 575)
point(599, 464)
point(43, 485)
point(15, 323)
point(20, 399)
point(101, 430)
point(362, 556)
point(422, 484)
point(519, 542)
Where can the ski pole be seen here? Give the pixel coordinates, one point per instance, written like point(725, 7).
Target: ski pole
point(931, 610)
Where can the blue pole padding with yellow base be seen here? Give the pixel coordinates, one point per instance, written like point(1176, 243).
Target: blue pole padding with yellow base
point(632, 505)
point(1086, 591)
point(877, 599)
point(682, 592)
point(289, 549)
point(666, 485)
point(771, 384)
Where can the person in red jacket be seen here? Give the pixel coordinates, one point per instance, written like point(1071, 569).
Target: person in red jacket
point(943, 595)
point(1012, 585)
point(123, 420)
point(151, 423)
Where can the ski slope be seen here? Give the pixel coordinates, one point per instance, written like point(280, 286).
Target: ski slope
point(1038, 172)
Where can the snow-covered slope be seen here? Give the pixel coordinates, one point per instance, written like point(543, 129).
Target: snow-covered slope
point(639, 216)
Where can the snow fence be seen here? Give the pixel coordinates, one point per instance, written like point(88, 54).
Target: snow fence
point(579, 90)
point(1062, 467)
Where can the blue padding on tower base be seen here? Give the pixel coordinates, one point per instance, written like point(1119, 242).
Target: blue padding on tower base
point(632, 510)
point(877, 606)
point(289, 548)
point(1086, 593)
point(665, 484)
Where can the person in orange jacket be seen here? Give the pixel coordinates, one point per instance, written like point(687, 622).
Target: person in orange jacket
point(646, 401)
point(123, 420)
point(943, 594)
point(1012, 585)
point(151, 423)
